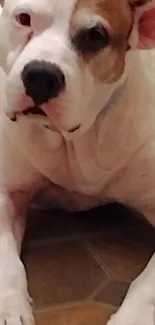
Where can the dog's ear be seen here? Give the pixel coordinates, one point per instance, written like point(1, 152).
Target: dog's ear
point(143, 32)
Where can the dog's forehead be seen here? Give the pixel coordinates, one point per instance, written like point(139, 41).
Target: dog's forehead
point(68, 7)
point(116, 12)
point(112, 7)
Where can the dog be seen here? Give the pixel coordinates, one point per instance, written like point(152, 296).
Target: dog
point(78, 116)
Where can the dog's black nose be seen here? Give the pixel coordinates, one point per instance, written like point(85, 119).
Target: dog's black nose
point(42, 81)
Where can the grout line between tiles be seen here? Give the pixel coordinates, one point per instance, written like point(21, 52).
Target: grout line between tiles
point(103, 266)
point(99, 288)
point(89, 248)
point(66, 305)
point(54, 241)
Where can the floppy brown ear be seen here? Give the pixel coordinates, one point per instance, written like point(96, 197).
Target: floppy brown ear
point(143, 32)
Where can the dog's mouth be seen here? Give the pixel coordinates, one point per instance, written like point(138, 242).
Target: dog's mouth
point(34, 110)
point(37, 111)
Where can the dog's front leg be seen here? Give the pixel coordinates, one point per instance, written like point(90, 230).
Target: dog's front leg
point(15, 306)
point(138, 307)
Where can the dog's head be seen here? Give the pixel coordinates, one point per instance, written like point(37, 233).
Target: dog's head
point(67, 57)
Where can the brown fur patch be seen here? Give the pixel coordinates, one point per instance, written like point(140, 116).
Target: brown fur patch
point(138, 2)
point(108, 65)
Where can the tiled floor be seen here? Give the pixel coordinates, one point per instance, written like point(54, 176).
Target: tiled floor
point(88, 256)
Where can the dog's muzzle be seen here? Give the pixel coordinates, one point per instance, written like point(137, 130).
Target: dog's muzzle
point(43, 81)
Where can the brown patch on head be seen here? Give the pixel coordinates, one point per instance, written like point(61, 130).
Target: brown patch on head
point(138, 3)
point(107, 65)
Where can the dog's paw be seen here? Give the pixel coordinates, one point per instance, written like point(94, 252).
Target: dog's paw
point(15, 309)
point(133, 315)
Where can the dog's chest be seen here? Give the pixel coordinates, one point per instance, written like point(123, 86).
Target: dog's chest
point(74, 165)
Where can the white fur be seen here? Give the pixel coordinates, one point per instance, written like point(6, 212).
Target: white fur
point(111, 157)
point(139, 305)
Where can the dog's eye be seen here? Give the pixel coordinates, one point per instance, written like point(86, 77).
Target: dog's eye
point(92, 40)
point(24, 19)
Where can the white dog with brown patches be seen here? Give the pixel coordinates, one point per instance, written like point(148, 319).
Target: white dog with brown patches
point(77, 112)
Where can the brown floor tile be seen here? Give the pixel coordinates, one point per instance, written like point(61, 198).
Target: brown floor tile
point(60, 273)
point(79, 314)
point(50, 226)
point(60, 270)
point(107, 218)
point(113, 293)
point(124, 253)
